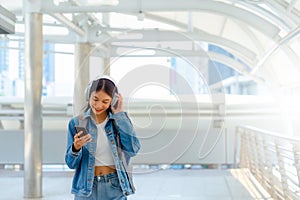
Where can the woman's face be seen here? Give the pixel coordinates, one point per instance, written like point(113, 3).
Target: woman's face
point(99, 102)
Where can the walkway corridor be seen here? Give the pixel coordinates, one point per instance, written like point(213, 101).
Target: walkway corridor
point(193, 184)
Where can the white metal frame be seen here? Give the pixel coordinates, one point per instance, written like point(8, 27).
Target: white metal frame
point(272, 158)
point(279, 19)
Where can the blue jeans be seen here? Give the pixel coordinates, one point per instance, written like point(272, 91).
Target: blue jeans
point(106, 187)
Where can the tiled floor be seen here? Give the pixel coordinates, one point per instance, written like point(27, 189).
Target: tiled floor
point(209, 184)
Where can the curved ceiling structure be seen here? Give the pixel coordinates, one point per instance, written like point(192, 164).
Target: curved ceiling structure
point(263, 34)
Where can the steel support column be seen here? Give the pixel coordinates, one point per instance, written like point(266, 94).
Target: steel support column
point(32, 106)
point(81, 79)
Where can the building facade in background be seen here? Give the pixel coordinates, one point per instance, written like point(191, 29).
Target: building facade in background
point(4, 66)
point(205, 75)
point(11, 85)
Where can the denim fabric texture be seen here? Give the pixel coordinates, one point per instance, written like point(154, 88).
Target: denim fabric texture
point(105, 187)
point(83, 161)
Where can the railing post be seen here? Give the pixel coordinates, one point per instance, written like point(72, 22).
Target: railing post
point(296, 153)
point(251, 154)
point(269, 180)
point(281, 166)
point(274, 159)
point(244, 159)
point(236, 135)
point(260, 161)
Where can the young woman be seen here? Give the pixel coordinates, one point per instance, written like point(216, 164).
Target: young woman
point(101, 157)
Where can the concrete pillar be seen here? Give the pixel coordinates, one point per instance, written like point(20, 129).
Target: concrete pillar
point(32, 106)
point(1, 125)
point(98, 66)
point(82, 57)
point(106, 66)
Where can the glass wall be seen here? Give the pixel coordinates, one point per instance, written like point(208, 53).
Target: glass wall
point(58, 67)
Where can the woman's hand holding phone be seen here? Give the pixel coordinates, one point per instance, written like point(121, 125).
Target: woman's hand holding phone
point(81, 138)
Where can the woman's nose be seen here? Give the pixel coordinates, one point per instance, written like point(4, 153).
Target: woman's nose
point(99, 104)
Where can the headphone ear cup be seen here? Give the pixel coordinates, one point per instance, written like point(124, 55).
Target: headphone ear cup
point(87, 91)
point(115, 99)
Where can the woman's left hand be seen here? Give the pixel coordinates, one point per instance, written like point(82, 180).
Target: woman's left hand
point(119, 108)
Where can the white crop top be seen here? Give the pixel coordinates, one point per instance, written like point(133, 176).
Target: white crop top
point(103, 155)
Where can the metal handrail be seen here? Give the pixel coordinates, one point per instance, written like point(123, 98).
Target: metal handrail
point(274, 160)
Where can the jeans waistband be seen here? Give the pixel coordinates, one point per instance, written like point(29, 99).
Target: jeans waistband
point(105, 177)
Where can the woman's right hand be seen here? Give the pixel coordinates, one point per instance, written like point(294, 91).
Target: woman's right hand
point(81, 141)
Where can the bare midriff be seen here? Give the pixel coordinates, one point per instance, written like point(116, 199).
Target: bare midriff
point(102, 170)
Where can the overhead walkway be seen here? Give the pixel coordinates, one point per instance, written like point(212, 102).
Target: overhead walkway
point(269, 56)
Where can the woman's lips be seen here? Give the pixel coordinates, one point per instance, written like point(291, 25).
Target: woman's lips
point(98, 110)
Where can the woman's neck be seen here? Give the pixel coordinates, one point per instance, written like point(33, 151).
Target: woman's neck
point(99, 118)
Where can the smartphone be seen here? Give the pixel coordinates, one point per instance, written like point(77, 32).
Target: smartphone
point(114, 101)
point(83, 129)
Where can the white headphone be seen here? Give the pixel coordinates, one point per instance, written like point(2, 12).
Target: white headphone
point(87, 91)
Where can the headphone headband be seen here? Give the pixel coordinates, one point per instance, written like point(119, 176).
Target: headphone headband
point(98, 78)
point(105, 77)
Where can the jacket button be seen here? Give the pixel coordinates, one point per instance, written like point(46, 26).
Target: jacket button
point(112, 142)
point(122, 180)
point(126, 193)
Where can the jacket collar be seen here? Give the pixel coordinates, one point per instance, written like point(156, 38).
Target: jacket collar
point(88, 114)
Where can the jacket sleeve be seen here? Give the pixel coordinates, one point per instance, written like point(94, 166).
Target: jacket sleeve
point(72, 158)
point(129, 141)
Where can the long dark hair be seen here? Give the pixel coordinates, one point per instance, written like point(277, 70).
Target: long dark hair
point(102, 84)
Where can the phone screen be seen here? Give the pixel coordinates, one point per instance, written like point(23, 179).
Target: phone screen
point(83, 129)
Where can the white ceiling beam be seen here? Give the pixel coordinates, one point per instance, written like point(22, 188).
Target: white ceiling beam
point(281, 9)
point(158, 35)
point(271, 51)
point(291, 5)
point(69, 24)
point(135, 6)
point(247, 55)
point(279, 18)
point(152, 37)
point(7, 21)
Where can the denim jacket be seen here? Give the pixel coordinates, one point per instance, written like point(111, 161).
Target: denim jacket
point(83, 161)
